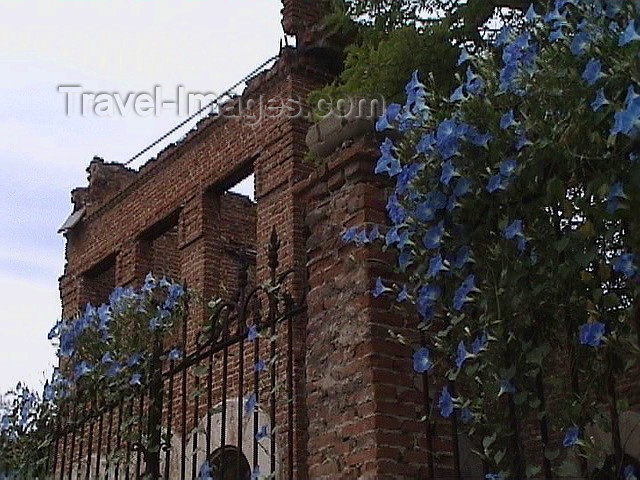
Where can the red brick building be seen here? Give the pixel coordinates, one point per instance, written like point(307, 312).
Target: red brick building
point(353, 409)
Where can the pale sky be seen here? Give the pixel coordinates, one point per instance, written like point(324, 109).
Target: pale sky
point(103, 45)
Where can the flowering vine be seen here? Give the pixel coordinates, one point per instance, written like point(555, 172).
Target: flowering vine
point(511, 217)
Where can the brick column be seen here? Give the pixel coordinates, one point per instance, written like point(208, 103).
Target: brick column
point(199, 258)
point(364, 401)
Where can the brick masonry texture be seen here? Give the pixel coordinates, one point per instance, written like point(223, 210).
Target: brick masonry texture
point(358, 407)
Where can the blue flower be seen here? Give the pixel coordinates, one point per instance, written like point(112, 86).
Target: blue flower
point(436, 200)
point(260, 365)
point(433, 237)
point(252, 334)
point(593, 71)
point(390, 114)
point(493, 476)
point(462, 187)
point(164, 282)
point(149, 283)
point(627, 119)
point(263, 432)
point(436, 265)
point(136, 380)
point(350, 235)
point(475, 83)
point(624, 265)
point(513, 230)
point(175, 354)
point(556, 35)
point(392, 237)
point(255, 474)
point(461, 354)
point(135, 359)
point(374, 234)
point(629, 473)
point(476, 138)
point(629, 35)
point(395, 211)
point(591, 334)
point(507, 167)
point(466, 415)
point(571, 436)
point(250, 404)
point(448, 172)
point(457, 95)
point(422, 360)
point(496, 182)
point(403, 295)
point(600, 100)
point(464, 56)
point(503, 36)
point(380, 288)
point(114, 369)
point(413, 87)
point(445, 403)
point(81, 369)
point(448, 138)
point(580, 43)
point(508, 120)
point(480, 343)
point(425, 212)
point(405, 259)
point(407, 175)
point(463, 256)
point(428, 295)
point(387, 163)
point(107, 358)
point(554, 15)
point(521, 142)
point(616, 193)
point(206, 473)
point(426, 143)
point(506, 387)
point(461, 295)
point(531, 14)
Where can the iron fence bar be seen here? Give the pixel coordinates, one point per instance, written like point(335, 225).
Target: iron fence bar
point(81, 446)
point(154, 419)
point(118, 441)
point(139, 449)
point(209, 404)
point(223, 429)
point(89, 450)
point(196, 408)
point(73, 442)
point(127, 474)
point(56, 447)
point(108, 452)
point(454, 430)
point(167, 458)
point(183, 433)
point(99, 452)
point(427, 413)
point(240, 401)
point(290, 393)
point(256, 392)
point(64, 456)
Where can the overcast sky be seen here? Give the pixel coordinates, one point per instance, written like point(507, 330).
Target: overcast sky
point(113, 46)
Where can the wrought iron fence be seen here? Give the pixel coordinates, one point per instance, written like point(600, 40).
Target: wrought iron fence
point(225, 409)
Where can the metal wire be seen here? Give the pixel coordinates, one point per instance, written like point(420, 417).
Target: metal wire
point(226, 93)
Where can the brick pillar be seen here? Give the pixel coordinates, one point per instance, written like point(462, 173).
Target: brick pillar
point(364, 401)
point(199, 258)
point(300, 16)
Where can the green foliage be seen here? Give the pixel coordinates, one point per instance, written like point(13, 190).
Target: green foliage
point(537, 181)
